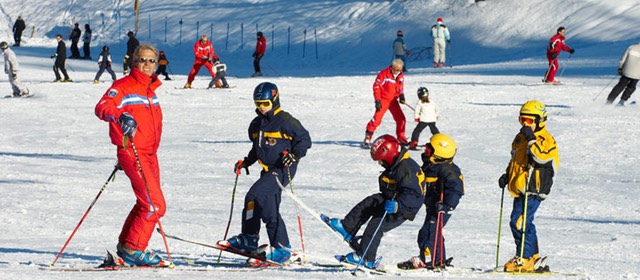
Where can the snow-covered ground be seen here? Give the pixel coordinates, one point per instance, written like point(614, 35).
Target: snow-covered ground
point(55, 154)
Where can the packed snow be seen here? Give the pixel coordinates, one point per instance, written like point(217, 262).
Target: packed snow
point(56, 154)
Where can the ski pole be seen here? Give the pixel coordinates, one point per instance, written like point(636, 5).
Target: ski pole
point(499, 228)
point(233, 197)
point(274, 70)
point(438, 237)
point(296, 205)
point(410, 107)
point(524, 214)
point(546, 74)
point(565, 66)
point(111, 178)
point(605, 87)
point(144, 179)
point(384, 215)
point(169, 67)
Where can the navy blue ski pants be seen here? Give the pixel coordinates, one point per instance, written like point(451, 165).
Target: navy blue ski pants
point(262, 202)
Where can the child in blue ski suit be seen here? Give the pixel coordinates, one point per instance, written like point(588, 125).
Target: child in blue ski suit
point(279, 142)
point(445, 187)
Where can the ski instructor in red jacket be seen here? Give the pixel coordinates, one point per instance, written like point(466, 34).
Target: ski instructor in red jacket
point(203, 52)
point(388, 92)
point(133, 112)
point(556, 45)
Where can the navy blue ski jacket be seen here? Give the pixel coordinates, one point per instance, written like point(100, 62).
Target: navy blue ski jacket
point(274, 133)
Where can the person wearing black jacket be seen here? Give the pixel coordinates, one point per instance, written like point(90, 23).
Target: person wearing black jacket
point(132, 44)
point(61, 57)
point(18, 27)
point(75, 38)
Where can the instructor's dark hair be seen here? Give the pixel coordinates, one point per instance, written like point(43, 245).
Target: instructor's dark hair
point(560, 29)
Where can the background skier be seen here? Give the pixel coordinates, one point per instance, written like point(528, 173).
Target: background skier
point(261, 47)
point(400, 49)
point(132, 44)
point(221, 72)
point(18, 27)
point(425, 114)
point(75, 38)
point(61, 57)
point(163, 63)
point(388, 93)
point(12, 69)
point(86, 41)
point(104, 63)
point(556, 45)
point(629, 71)
point(203, 52)
point(441, 37)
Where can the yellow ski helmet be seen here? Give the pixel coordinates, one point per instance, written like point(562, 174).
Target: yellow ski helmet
point(441, 148)
point(537, 109)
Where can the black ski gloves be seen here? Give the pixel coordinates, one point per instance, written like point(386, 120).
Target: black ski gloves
point(527, 132)
point(402, 99)
point(503, 181)
point(378, 105)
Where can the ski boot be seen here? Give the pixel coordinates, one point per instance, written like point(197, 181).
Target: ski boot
point(517, 264)
point(243, 242)
point(413, 263)
point(353, 258)
point(336, 225)
point(187, 85)
point(280, 255)
point(147, 257)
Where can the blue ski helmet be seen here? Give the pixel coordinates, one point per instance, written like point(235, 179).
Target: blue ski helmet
point(267, 92)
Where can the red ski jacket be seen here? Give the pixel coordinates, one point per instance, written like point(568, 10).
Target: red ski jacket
point(556, 45)
point(261, 46)
point(135, 94)
point(386, 87)
point(202, 51)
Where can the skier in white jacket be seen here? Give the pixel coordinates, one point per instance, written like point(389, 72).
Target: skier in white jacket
point(426, 114)
point(629, 71)
point(11, 69)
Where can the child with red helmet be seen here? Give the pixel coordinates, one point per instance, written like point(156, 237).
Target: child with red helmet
point(400, 197)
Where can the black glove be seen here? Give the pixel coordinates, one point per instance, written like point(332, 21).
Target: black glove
point(239, 165)
point(254, 55)
point(288, 158)
point(527, 132)
point(448, 41)
point(554, 55)
point(14, 76)
point(53, 55)
point(402, 99)
point(620, 71)
point(571, 51)
point(503, 181)
point(378, 105)
point(128, 124)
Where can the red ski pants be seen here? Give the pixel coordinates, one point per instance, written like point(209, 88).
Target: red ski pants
point(196, 68)
point(142, 219)
point(553, 68)
point(394, 107)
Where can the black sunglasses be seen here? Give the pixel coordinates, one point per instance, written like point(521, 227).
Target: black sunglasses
point(143, 60)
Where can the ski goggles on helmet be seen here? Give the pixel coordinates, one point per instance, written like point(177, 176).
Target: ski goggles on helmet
point(528, 120)
point(263, 103)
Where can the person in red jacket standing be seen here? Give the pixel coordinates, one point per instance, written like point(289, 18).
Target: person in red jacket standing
point(203, 51)
point(261, 46)
point(556, 45)
point(388, 93)
point(133, 112)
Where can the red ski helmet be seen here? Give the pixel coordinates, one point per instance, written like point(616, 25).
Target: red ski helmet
point(385, 150)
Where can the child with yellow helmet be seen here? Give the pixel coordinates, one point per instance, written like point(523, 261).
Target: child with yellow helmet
point(444, 188)
point(529, 177)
